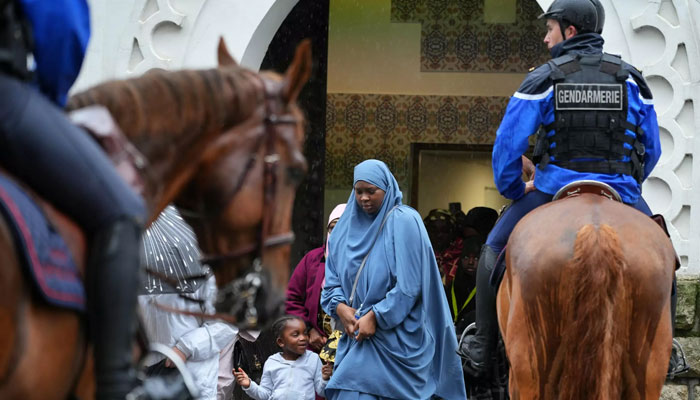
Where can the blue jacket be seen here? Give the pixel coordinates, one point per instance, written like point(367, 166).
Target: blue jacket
point(532, 106)
point(61, 29)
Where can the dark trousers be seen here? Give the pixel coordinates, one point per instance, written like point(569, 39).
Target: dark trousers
point(41, 147)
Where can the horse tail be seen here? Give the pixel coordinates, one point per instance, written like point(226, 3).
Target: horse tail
point(593, 337)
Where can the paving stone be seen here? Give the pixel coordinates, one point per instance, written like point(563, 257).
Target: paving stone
point(674, 392)
point(691, 346)
point(687, 301)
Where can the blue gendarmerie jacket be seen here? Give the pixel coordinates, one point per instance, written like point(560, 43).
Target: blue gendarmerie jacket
point(60, 29)
point(533, 105)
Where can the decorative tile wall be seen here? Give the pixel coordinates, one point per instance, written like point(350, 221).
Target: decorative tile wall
point(361, 126)
point(454, 36)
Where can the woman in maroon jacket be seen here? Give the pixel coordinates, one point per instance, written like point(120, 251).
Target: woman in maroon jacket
point(305, 285)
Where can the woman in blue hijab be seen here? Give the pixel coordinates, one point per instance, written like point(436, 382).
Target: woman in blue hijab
point(399, 341)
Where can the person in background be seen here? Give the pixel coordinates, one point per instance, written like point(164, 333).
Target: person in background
point(305, 285)
point(461, 291)
point(447, 245)
point(196, 340)
point(477, 222)
point(399, 339)
point(294, 373)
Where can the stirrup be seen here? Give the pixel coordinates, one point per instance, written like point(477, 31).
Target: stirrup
point(180, 387)
point(470, 366)
point(678, 363)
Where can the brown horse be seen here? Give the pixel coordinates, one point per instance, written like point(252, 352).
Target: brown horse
point(223, 143)
point(584, 304)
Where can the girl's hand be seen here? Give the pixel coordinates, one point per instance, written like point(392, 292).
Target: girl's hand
point(242, 378)
point(347, 318)
point(327, 371)
point(366, 326)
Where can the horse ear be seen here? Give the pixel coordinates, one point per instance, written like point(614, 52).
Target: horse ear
point(298, 72)
point(225, 58)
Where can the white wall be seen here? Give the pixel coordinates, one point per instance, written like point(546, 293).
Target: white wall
point(130, 37)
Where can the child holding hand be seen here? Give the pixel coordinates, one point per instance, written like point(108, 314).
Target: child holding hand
point(294, 373)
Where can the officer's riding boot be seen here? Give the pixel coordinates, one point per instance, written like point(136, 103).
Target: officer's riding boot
point(677, 364)
point(114, 264)
point(482, 346)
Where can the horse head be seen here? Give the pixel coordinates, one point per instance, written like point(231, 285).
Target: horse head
point(240, 200)
point(224, 145)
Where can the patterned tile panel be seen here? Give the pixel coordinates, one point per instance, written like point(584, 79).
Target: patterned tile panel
point(361, 126)
point(454, 36)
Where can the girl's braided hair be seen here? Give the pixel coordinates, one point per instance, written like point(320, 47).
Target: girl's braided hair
point(281, 322)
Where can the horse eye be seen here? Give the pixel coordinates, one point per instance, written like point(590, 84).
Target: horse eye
point(295, 175)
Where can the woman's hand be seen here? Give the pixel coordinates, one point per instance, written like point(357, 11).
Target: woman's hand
point(366, 326)
point(316, 340)
point(347, 318)
point(242, 378)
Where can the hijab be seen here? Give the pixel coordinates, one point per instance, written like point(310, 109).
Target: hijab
point(354, 233)
point(335, 214)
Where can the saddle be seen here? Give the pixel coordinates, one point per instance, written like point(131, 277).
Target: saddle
point(575, 189)
point(128, 161)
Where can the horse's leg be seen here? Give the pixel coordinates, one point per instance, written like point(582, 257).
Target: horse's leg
point(39, 345)
point(503, 303)
point(650, 339)
point(660, 348)
point(523, 379)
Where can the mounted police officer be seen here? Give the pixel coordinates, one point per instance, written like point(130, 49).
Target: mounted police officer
point(42, 45)
point(596, 121)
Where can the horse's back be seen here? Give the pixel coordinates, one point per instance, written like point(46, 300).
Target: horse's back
point(545, 238)
point(587, 291)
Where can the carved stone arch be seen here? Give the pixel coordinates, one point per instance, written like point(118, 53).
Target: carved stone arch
point(661, 38)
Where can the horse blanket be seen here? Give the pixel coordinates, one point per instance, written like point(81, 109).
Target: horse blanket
point(41, 249)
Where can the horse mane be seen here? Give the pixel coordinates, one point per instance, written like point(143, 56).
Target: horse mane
point(174, 104)
point(594, 335)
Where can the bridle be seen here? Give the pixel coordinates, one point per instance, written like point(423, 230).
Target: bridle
point(270, 175)
point(244, 294)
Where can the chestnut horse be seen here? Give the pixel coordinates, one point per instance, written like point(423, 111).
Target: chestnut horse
point(223, 143)
point(584, 304)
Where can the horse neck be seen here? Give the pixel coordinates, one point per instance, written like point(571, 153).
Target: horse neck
point(172, 117)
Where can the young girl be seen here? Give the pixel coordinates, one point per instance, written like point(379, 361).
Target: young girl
point(295, 373)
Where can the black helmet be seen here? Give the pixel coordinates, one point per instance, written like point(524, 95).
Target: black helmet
point(585, 15)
